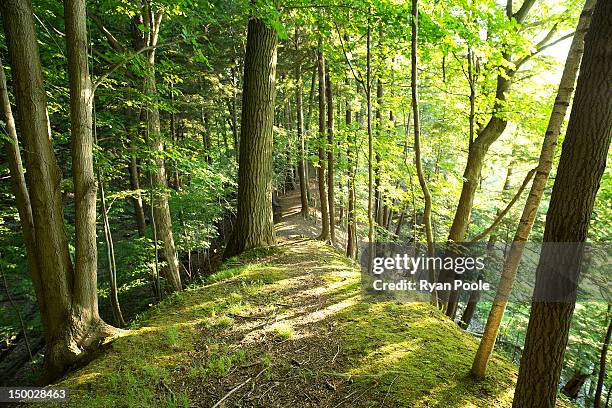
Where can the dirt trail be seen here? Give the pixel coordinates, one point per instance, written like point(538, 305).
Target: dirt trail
point(293, 226)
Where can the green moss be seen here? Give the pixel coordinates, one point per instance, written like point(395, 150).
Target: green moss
point(408, 354)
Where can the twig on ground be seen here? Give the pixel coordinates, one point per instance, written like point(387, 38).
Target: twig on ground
point(236, 388)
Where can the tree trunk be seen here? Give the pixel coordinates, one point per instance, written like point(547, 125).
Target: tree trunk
point(18, 182)
point(582, 163)
point(67, 300)
point(417, 146)
point(254, 224)
point(325, 232)
point(564, 94)
point(602, 363)
point(368, 89)
point(300, 133)
point(330, 158)
point(110, 255)
point(351, 236)
point(574, 384)
point(161, 209)
point(378, 197)
point(81, 109)
point(206, 137)
point(136, 198)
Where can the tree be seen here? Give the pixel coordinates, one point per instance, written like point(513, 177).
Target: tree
point(582, 163)
point(511, 263)
point(417, 142)
point(325, 227)
point(254, 226)
point(330, 157)
point(147, 39)
point(18, 181)
point(67, 297)
point(299, 106)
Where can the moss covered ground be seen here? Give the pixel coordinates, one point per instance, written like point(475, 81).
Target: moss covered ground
point(289, 327)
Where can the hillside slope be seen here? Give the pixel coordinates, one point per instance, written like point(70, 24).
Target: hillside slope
point(289, 327)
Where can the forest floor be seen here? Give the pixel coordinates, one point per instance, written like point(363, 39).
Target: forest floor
point(289, 327)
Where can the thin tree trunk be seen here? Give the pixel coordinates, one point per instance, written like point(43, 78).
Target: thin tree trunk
point(417, 146)
point(254, 223)
point(18, 182)
point(378, 197)
point(110, 254)
point(300, 132)
point(136, 198)
point(564, 94)
point(602, 363)
point(325, 230)
point(330, 157)
point(581, 166)
point(370, 144)
point(351, 236)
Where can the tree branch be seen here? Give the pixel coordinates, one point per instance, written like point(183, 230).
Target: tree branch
point(502, 214)
point(127, 59)
point(356, 75)
point(112, 40)
point(521, 14)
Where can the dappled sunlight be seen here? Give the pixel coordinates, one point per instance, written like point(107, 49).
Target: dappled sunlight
point(294, 316)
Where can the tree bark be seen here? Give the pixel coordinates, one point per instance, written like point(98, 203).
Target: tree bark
point(564, 94)
point(582, 163)
point(330, 158)
point(417, 145)
point(325, 230)
point(254, 225)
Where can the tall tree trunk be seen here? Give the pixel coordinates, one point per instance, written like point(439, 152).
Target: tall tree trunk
point(330, 157)
point(67, 300)
point(300, 133)
point(136, 198)
point(81, 109)
point(234, 114)
point(206, 137)
point(479, 147)
point(368, 89)
point(325, 232)
point(161, 208)
point(18, 182)
point(351, 151)
point(254, 226)
point(582, 163)
point(602, 363)
point(378, 197)
point(417, 144)
point(512, 260)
